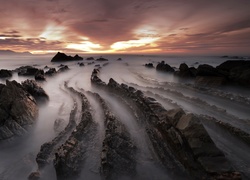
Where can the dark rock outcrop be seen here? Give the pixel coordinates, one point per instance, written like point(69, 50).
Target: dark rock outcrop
point(35, 90)
point(101, 59)
point(60, 57)
point(185, 71)
point(50, 72)
point(149, 65)
point(207, 70)
point(119, 59)
point(118, 157)
point(46, 154)
point(4, 73)
point(69, 157)
point(18, 110)
point(63, 68)
point(39, 76)
point(237, 71)
point(180, 141)
point(162, 66)
point(26, 71)
point(81, 64)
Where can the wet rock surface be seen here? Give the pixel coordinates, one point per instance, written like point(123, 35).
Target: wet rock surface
point(35, 90)
point(18, 110)
point(69, 157)
point(180, 140)
point(118, 151)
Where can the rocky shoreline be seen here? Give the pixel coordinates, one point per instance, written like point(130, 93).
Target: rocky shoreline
point(178, 140)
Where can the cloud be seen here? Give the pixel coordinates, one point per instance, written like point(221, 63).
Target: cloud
point(190, 25)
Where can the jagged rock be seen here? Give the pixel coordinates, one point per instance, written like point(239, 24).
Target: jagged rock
point(118, 151)
point(70, 155)
point(119, 59)
point(164, 67)
point(185, 71)
point(101, 59)
point(4, 73)
point(18, 110)
point(39, 76)
point(174, 115)
point(59, 57)
point(204, 149)
point(26, 71)
point(77, 57)
point(149, 65)
point(51, 72)
point(95, 77)
point(35, 90)
point(187, 146)
point(63, 68)
point(46, 154)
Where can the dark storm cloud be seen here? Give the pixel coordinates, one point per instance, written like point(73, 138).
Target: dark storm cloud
point(108, 21)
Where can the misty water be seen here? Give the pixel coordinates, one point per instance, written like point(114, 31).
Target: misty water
point(18, 159)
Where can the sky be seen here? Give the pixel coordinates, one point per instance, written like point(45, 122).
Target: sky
point(126, 26)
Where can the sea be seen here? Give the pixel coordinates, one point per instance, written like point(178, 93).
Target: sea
point(228, 104)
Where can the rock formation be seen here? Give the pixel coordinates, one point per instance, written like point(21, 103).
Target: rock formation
point(60, 57)
point(4, 73)
point(18, 110)
point(35, 90)
point(162, 66)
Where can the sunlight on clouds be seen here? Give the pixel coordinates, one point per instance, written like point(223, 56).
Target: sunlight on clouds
point(43, 51)
point(53, 32)
point(133, 43)
point(84, 46)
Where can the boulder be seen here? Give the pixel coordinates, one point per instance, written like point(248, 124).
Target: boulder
point(50, 72)
point(35, 90)
point(149, 65)
point(39, 76)
point(101, 59)
point(238, 71)
point(63, 68)
point(183, 67)
point(164, 67)
point(4, 73)
point(81, 64)
point(18, 110)
point(26, 71)
point(174, 115)
point(185, 71)
point(207, 70)
point(203, 147)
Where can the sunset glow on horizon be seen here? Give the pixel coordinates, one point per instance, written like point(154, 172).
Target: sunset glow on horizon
point(161, 26)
